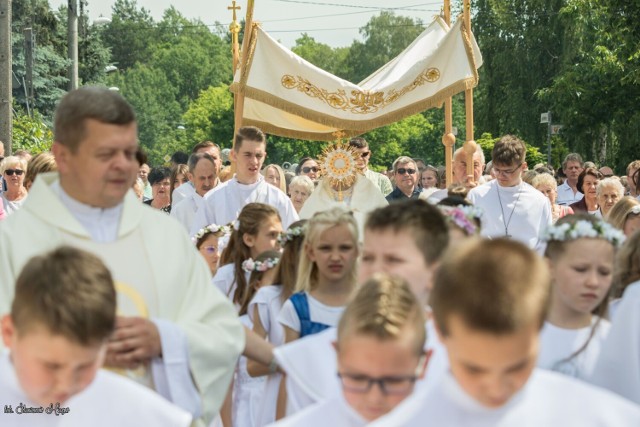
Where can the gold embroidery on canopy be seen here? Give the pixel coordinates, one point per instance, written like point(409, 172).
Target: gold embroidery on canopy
point(360, 102)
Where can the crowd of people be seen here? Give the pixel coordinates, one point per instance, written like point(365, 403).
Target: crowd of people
point(248, 295)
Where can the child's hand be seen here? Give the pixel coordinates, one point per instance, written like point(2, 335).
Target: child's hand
point(136, 340)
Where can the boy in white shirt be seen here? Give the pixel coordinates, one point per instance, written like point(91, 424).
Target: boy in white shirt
point(63, 313)
point(490, 299)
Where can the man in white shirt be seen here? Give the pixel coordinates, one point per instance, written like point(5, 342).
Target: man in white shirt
point(187, 189)
point(202, 174)
point(223, 204)
point(175, 332)
point(460, 176)
point(568, 193)
point(489, 301)
point(361, 147)
point(511, 208)
point(143, 174)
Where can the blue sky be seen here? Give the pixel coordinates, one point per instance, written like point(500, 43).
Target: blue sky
point(334, 22)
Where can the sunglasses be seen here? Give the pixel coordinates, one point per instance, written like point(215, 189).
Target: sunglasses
point(307, 169)
point(10, 172)
point(402, 171)
point(365, 154)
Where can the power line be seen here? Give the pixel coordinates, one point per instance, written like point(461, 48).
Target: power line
point(351, 5)
point(408, 8)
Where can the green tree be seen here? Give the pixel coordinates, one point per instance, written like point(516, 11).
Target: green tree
point(210, 117)
point(31, 133)
point(131, 34)
point(385, 36)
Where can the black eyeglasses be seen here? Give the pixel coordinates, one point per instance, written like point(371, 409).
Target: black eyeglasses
point(388, 385)
point(365, 154)
point(10, 172)
point(307, 169)
point(402, 171)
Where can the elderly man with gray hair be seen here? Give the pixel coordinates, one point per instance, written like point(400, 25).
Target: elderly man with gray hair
point(405, 174)
point(203, 175)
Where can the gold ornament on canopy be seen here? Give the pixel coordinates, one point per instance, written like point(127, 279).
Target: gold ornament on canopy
point(338, 165)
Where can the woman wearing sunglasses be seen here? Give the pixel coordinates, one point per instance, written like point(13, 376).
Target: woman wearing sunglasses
point(309, 167)
point(13, 171)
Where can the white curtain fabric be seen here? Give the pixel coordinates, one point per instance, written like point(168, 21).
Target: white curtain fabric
point(288, 96)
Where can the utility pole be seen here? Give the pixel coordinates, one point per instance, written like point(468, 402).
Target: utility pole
point(5, 75)
point(72, 42)
point(29, 44)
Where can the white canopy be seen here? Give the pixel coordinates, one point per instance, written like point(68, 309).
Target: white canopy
point(286, 95)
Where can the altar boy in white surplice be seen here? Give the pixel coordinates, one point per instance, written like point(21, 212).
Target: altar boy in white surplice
point(489, 303)
point(380, 353)
point(61, 317)
point(223, 204)
point(175, 333)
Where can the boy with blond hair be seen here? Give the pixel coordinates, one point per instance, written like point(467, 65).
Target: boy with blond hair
point(380, 353)
point(61, 318)
point(490, 300)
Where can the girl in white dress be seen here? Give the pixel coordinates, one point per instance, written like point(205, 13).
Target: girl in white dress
point(326, 274)
point(256, 230)
point(580, 251)
point(265, 307)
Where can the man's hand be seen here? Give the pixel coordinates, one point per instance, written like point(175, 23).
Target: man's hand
point(135, 340)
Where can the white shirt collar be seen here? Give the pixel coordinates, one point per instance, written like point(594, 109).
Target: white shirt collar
point(101, 223)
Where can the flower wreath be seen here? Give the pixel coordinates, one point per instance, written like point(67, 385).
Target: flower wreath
point(250, 265)
point(463, 216)
point(291, 233)
point(635, 210)
point(584, 229)
point(209, 229)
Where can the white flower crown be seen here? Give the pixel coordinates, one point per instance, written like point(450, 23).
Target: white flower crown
point(584, 229)
point(635, 210)
point(463, 216)
point(250, 265)
point(209, 229)
point(291, 233)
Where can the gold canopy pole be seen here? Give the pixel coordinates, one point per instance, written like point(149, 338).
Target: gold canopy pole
point(234, 29)
point(470, 144)
point(448, 139)
point(239, 95)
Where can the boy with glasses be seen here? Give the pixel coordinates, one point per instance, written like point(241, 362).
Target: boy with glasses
point(511, 207)
point(405, 173)
point(380, 351)
point(361, 147)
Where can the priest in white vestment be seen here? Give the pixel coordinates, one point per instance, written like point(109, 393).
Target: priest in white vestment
point(223, 204)
point(203, 174)
point(361, 198)
point(180, 336)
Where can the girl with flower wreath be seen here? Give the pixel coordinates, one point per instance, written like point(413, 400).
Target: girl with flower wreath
point(265, 307)
point(580, 252)
point(256, 230)
point(463, 219)
point(326, 274)
point(209, 244)
point(248, 393)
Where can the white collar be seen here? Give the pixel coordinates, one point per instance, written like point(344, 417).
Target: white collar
point(101, 223)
